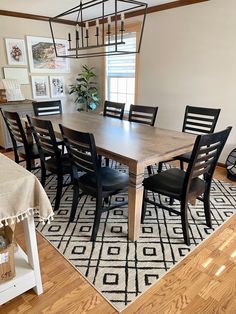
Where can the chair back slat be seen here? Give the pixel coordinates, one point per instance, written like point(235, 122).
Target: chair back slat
point(45, 138)
point(16, 129)
point(82, 149)
point(114, 109)
point(199, 120)
point(205, 154)
point(44, 108)
point(143, 114)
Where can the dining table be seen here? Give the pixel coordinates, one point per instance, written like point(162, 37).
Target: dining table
point(133, 144)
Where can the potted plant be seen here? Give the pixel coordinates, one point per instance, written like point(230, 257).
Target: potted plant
point(85, 89)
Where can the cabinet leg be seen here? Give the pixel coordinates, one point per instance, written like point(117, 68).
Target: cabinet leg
point(32, 251)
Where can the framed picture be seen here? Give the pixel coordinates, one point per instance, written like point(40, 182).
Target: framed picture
point(57, 86)
point(16, 54)
point(19, 74)
point(42, 57)
point(40, 87)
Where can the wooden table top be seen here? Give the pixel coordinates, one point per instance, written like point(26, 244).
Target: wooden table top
point(128, 140)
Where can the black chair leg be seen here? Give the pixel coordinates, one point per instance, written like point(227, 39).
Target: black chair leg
point(74, 203)
point(144, 206)
point(206, 202)
point(97, 217)
point(28, 164)
point(160, 164)
point(184, 220)
point(149, 169)
point(59, 192)
point(43, 174)
point(100, 160)
point(181, 164)
point(107, 162)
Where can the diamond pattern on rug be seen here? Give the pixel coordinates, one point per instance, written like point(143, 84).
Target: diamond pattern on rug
point(121, 270)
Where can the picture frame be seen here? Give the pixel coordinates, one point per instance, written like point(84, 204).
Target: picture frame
point(57, 86)
point(20, 74)
point(42, 57)
point(16, 52)
point(40, 87)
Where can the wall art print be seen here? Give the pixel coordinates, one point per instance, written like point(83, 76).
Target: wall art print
point(16, 54)
point(57, 86)
point(42, 57)
point(40, 87)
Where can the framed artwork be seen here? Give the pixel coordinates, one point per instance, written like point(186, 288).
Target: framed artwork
point(19, 74)
point(42, 57)
point(57, 86)
point(16, 54)
point(40, 87)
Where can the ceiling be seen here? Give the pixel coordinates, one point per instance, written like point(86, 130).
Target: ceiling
point(54, 7)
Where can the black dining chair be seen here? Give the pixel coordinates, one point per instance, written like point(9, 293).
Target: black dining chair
point(143, 114)
point(113, 109)
point(99, 182)
point(58, 164)
point(43, 108)
point(197, 120)
point(24, 148)
point(187, 186)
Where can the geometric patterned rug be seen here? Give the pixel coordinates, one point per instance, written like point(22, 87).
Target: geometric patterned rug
point(119, 269)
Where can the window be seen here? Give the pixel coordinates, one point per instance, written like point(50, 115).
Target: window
point(120, 74)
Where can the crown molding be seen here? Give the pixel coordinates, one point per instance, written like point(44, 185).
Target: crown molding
point(156, 8)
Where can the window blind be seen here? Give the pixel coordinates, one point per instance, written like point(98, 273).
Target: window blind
point(123, 65)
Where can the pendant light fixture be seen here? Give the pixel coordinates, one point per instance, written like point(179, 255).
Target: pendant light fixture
point(99, 28)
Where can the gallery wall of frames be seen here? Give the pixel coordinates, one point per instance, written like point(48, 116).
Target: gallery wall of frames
point(32, 60)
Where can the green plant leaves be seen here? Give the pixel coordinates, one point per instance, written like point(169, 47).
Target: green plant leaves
point(85, 89)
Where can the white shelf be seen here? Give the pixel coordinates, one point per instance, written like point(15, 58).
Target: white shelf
point(28, 274)
point(23, 281)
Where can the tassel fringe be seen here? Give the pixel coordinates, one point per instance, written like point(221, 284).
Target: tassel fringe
point(20, 217)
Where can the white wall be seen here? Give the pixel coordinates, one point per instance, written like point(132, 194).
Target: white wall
point(189, 57)
point(11, 27)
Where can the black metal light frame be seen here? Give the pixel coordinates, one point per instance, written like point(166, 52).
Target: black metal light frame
point(79, 45)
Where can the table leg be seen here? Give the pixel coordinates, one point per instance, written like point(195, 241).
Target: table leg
point(135, 198)
point(32, 251)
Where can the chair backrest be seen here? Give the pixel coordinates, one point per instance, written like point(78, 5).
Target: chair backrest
point(199, 120)
point(45, 138)
point(143, 114)
point(43, 108)
point(82, 149)
point(205, 154)
point(16, 130)
point(114, 109)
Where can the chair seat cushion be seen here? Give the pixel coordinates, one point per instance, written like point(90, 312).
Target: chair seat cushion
point(170, 183)
point(34, 153)
point(111, 180)
point(65, 168)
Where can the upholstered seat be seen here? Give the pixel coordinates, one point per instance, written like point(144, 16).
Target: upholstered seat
point(111, 180)
point(171, 183)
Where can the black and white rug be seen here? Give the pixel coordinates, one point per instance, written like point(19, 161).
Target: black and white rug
point(119, 269)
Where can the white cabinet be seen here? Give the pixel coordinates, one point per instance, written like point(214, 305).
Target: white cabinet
point(22, 107)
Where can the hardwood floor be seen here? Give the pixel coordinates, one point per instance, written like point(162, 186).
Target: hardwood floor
point(204, 282)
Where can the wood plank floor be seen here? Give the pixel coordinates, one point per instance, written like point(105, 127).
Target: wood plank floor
point(204, 282)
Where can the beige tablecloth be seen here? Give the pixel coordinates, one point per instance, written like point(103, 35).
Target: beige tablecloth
point(21, 194)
